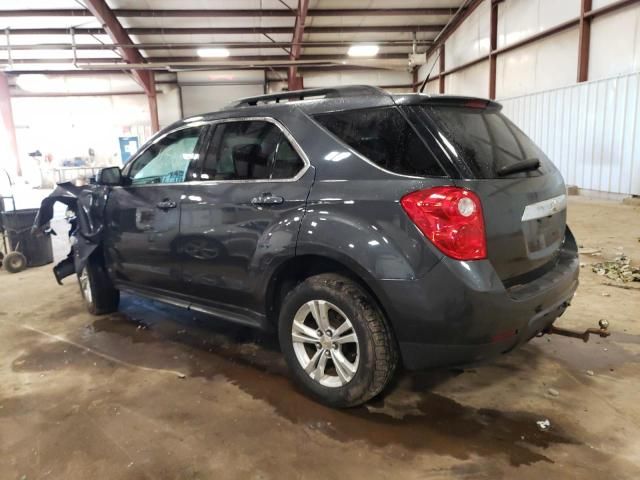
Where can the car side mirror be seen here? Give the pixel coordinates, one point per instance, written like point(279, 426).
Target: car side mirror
point(109, 176)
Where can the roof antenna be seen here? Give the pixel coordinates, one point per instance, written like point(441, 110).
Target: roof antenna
point(424, 83)
point(435, 40)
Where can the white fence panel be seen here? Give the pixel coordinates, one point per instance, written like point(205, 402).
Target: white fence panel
point(591, 131)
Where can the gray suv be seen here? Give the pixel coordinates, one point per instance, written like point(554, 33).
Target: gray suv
point(368, 229)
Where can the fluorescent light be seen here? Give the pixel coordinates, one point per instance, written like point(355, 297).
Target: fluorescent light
point(37, 82)
point(363, 50)
point(213, 52)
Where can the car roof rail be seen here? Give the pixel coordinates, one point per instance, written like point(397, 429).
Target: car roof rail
point(297, 95)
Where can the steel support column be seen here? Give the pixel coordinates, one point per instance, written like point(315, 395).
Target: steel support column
point(293, 81)
point(493, 41)
point(118, 35)
point(584, 41)
point(441, 74)
point(153, 104)
point(6, 113)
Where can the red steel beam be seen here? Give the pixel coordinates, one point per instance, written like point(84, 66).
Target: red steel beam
point(584, 41)
point(442, 71)
point(118, 34)
point(225, 13)
point(612, 7)
point(534, 38)
point(6, 113)
point(293, 82)
point(452, 26)
point(493, 41)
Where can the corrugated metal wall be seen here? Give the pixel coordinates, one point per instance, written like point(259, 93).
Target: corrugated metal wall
point(591, 131)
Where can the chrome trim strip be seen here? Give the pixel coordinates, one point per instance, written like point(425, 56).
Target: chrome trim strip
point(544, 208)
point(277, 123)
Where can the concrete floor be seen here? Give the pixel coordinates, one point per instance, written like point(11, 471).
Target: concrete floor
point(156, 392)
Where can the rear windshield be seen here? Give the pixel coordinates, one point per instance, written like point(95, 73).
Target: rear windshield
point(484, 139)
point(383, 136)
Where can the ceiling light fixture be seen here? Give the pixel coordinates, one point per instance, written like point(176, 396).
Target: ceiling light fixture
point(363, 50)
point(37, 82)
point(213, 52)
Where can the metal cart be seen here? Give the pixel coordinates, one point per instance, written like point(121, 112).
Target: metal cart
point(20, 248)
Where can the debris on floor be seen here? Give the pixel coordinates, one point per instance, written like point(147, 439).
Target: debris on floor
point(543, 425)
point(590, 251)
point(619, 269)
point(553, 392)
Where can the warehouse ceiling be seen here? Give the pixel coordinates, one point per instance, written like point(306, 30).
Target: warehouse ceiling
point(174, 35)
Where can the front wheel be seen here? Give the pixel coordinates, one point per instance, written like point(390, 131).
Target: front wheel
point(98, 292)
point(335, 341)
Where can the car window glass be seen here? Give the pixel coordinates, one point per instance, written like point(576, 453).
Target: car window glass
point(287, 162)
point(484, 139)
point(243, 150)
point(383, 136)
point(167, 160)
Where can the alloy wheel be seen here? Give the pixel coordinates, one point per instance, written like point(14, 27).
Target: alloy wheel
point(325, 343)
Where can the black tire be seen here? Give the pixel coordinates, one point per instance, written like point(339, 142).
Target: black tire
point(378, 354)
point(14, 262)
point(102, 297)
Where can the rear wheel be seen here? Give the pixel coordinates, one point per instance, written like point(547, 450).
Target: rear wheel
point(98, 292)
point(335, 341)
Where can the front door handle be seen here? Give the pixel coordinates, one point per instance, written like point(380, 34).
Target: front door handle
point(267, 199)
point(166, 204)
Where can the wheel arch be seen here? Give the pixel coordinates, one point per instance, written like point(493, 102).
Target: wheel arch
point(300, 267)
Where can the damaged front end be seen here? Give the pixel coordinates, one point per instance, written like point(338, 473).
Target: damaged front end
point(87, 204)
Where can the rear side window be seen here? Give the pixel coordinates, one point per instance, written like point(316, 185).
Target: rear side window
point(483, 138)
point(383, 136)
point(250, 150)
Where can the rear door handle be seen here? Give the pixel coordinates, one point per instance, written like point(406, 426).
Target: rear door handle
point(267, 199)
point(166, 204)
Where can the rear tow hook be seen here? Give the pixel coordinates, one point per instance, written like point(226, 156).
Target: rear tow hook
point(603, 331)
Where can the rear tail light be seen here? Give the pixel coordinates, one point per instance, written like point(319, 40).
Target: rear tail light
point(451, 218)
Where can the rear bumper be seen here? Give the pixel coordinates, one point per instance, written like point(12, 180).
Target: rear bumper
point(461, 313)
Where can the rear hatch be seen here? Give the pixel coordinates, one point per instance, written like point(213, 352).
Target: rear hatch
point(522, 193)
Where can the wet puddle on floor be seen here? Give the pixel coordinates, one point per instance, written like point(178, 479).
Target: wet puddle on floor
point(598, 355)
point(157, 336)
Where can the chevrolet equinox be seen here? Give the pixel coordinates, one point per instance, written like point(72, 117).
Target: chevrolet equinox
point(368, 229)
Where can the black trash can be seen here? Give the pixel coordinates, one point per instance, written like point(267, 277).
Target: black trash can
point(36, 248)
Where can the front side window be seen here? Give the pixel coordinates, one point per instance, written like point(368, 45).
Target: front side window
point(383, 136)
point(167, 160)
point(250, 150)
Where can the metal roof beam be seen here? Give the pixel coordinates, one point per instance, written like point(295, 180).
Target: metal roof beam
point(168, 60)
point(229, 45)
point(224, 13)
point(231, 30)
point(117, 33)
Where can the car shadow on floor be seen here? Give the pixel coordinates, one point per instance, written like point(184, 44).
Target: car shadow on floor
point(156, 336)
